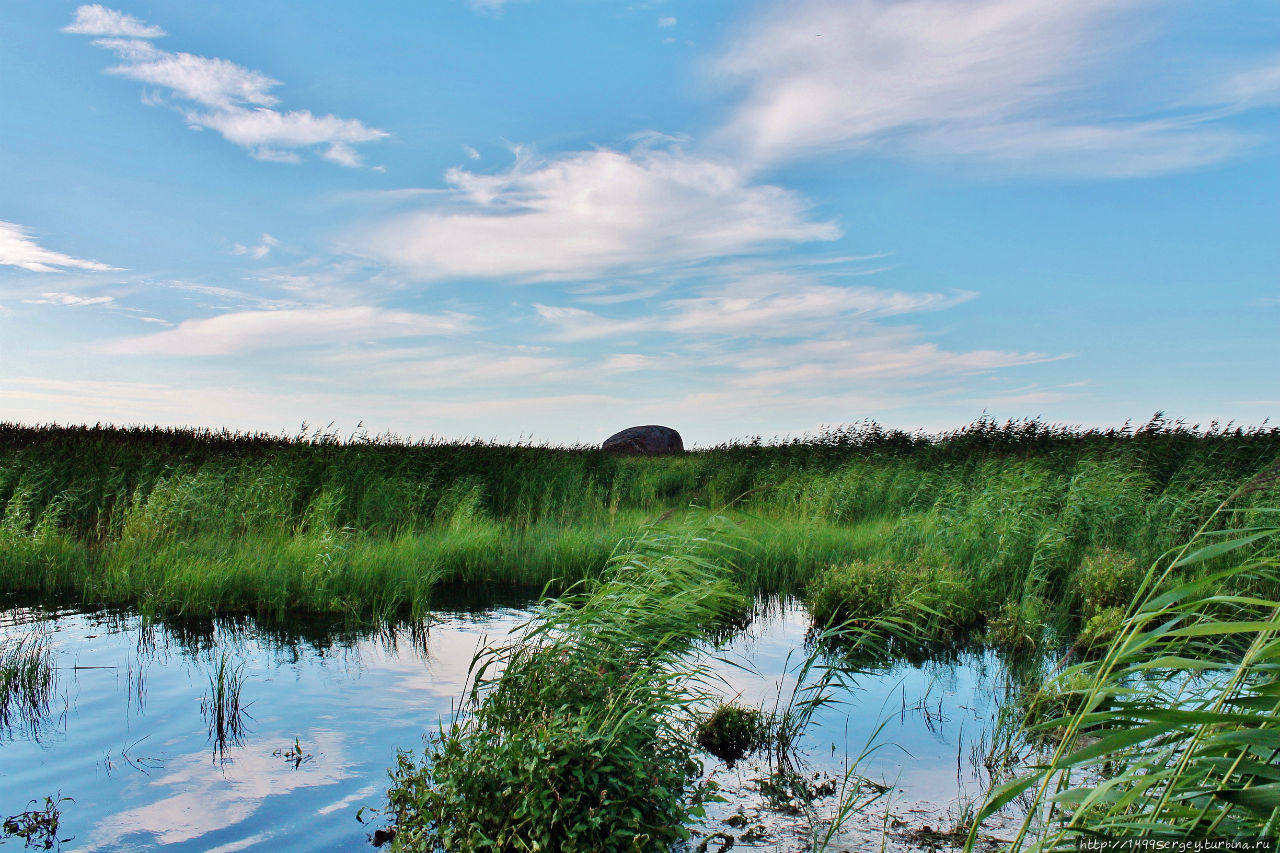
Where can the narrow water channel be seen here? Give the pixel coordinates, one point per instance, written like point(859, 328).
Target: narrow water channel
point(127, 736)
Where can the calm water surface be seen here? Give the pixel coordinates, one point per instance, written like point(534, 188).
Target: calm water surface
point(127, 740)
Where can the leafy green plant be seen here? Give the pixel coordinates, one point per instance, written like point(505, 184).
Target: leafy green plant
point(1106, 579)
point(581, 743)
point(38, 826)
point(1020, 625)
point(867, 593)
point(731, 732)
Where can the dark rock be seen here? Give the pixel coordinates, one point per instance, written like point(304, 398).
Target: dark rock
point(646, 440)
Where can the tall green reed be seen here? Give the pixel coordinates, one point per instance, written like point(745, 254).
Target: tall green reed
point(1175, 731)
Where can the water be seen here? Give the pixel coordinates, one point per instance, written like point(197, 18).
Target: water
point(127, 740)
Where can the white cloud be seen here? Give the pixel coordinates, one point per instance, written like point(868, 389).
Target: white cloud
point(210, 81)
point(493, 7)
point(1003, 80)
point(589, 213)
point(246, 331)
point(97, 20)
point(1254, 87)
point(865, 356)
point(777, 306)
point(472, 154)
point(19, 249)
point(269, 134)
point(258, 252)
point(796, 312)
point(667, 21)
point(237, 102)
point(69, 299)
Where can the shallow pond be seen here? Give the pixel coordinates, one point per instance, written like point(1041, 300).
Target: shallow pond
point(127, 736)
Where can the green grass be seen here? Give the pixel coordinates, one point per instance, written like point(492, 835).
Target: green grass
point(576, 735)
point(180, 522)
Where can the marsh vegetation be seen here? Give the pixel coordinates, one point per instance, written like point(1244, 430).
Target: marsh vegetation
point(1128, 577)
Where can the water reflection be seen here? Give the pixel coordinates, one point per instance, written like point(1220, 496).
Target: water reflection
point(133, 750)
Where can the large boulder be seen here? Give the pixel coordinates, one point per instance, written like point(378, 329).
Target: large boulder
point(649, 440)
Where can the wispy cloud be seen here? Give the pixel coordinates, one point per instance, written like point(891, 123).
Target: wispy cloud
point(777, 306)
point(589, 213)
point(97, 20)
point(258, 252)
point(247, 331)
point(19, 249)
point(69, 299)
point(1007, 81)
point(221, 95)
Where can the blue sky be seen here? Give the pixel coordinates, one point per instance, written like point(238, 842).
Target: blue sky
point(552, 220)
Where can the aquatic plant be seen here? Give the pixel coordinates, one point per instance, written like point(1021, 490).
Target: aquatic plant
point(1182, 711)
point(221, 707)
point(930, 594)
point(40, 825)
point(27, 678)
point(731, 732)
point(576, 733)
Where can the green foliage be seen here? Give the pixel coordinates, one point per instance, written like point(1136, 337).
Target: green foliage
point(1101, 630)
point(576, 734)
point(732, 731)
point(930, 594)
point(1106, 580)
point(221, 706)
point(1175, 730)
point(1020, 625)
point(196, 523)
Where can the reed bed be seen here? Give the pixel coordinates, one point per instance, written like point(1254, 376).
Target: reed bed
point(1174, 732)
point(200, 523)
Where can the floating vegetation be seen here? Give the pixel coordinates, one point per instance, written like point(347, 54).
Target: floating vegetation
point(38, 827)
point(294, 754)
point(731, 732)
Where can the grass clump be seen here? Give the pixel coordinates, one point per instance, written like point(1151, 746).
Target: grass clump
point(27, 679)
point(576, 734)
point(1019, 626)
point(929, 594)
point(732, 731)
point(1106, 580)
point(221, 706)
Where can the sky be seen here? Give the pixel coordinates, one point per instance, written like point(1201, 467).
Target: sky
point(548, 220)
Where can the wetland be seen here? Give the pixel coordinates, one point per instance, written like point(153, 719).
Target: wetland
point(216, 641)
